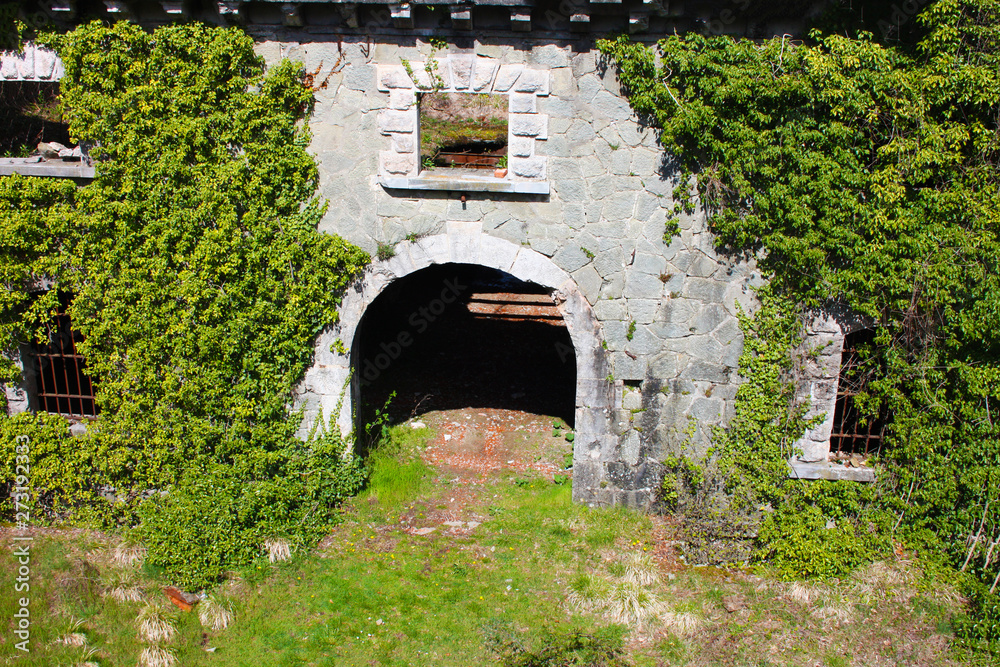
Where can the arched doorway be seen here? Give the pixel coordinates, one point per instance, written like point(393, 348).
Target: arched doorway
point(327, 395)
point(454, 336)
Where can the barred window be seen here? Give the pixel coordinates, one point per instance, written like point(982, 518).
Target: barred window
point(853, 431)
point(62, 385)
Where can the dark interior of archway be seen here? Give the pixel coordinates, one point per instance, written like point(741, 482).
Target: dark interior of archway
point(456, 335)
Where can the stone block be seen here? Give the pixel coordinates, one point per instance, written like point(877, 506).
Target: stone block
point(668, 365)
point(461, 72)
point(497, 253)
point(610, 261)
point(708, 318)
point(611, 106)
point(562, 83)
point(403, 142)
point(533, 167)
point(642, 286)
point(392, 76)
point(619, 206)
point(630, 448)
point(482, 74)
point(402, 99)
point(627, 368)
point(529, 125)
point(589, 282)
point(610, 309)
point(506, 77)
point(570, 258)
point(430, 250)
point(464, 241)
point(706, 371)
point(523, 103)
point(704, 289)
point(533, 81)
point(643, 311)
point(391, 162)
point(393, 120)
point(521, 147)
point(533, 267)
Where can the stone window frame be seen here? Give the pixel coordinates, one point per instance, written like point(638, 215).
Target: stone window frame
point(821, 352)
point(399, 166)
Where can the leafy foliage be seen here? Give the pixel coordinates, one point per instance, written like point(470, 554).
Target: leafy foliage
point(199, 276)
point(864, 175)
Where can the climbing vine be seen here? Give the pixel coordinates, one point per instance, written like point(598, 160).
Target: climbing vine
point(200, 282)
point(864, 175)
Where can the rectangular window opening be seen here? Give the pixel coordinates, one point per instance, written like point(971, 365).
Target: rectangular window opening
point(31, 113)
point(463, 131)
point(855, 434)
point(62, 384)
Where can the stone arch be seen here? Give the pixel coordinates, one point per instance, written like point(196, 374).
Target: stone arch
point(325, 396)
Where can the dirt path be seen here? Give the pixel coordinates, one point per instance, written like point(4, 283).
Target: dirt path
point(475, 443)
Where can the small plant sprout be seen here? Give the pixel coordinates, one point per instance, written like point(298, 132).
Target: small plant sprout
point(156, 656)
point(278, 550)
point(214, 615)
point(154, 625)
point(385, 251)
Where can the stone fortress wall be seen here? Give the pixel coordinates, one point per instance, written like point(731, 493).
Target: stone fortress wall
point(609, 195)
point(582, 211)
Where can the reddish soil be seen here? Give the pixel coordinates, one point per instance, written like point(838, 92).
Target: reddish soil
point(474, 443)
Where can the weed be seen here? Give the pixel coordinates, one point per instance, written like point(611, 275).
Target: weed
point(385, 251)
point(154, 624)
point(128, 555)
point(156, 656)
point(278, 550)
point(214, 615)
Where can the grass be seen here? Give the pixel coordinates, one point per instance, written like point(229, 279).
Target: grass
point(537, 580)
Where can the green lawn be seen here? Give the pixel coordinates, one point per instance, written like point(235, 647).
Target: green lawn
point(539, 581)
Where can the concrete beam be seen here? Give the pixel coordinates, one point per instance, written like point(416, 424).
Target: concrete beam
point(461, 17)
point(520, 19)
point(402, 16)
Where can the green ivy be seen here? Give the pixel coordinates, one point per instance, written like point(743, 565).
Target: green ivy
point(200, 282)
point(863, 175)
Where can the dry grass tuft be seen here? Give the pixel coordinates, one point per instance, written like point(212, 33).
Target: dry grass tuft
point(278, 550)
point(154, 624)
point(640, 569)
point(214, 615)
point(838, 612)
point(588, 593)
point(631, 604)
point(683, 623)
point(123, 594)
point(119, 587)
point(128, 555)
point(801, 593)
point(156, 656)
point(73, 639)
